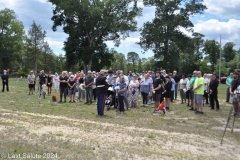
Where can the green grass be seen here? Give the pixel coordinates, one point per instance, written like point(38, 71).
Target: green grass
point(71, 129)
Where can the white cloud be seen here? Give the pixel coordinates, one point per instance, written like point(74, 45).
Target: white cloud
point(230, 30)
point(43, 1)
point(223, 8)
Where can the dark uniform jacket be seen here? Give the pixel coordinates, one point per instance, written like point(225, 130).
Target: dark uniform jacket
point(4, 77)
point(101, 85)
point(213, 86)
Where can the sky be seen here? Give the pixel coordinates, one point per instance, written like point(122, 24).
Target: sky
point(221, 18)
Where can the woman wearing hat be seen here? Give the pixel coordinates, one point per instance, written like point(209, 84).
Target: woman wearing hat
point(71, 85)
point(31, 79)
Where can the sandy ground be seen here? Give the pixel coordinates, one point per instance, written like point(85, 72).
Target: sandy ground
point(123, 142)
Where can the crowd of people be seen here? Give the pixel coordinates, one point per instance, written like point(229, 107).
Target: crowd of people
point(196, 90)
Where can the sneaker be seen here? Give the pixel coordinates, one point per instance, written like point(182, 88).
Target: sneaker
point(86, 103)
point(60, 102)
point(70, 101)
point(201, 113)
point(197, 112)
point(73, 101)
point(191, 109)
point(164, 110)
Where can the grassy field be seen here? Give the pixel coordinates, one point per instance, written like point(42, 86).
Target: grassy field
point(73, 131)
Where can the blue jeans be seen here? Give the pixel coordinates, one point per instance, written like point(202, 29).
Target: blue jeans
point(145, 97)
point(176, 90)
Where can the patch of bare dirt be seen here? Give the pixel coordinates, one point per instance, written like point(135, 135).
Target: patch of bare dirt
point(135, 143)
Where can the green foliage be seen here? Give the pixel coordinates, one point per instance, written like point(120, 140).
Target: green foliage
point(11, 40)
point(90, 23)
point(228, 52)
point(119, 62)
point(224, 70)
point(212, 50)
point(132, 58)
point(34, 44)
point(163, 35)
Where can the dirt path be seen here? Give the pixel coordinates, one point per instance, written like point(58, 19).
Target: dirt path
point(110, 141)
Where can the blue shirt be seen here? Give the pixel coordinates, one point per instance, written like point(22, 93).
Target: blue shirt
point(145, 86)
point(173, 84)
point(122, 86)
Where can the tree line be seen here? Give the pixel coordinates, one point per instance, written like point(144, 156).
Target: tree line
point(21, 52)
point(90, 23)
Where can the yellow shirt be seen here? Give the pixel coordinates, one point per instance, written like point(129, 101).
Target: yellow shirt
point(197, 82)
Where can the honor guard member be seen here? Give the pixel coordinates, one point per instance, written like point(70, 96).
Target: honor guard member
point(101, 92)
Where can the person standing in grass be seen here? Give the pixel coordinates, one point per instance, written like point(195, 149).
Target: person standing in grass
point(229, 82)
point(173, 86)
point(101, 91)
point(213, 91)
point(234, 87)
point(81, 89)
point(176, 79)
point(49, 83)
point(88, 87)
point(56, 83)
point(198, 92)
point(145, 87)
point(133, 92)
point(42, 79)
point(31, 79)
point(122, 93)
point(71, 85)
point(168, 92)
point(188, 89)
point(157, 85)
point(63, 79)
point(191, 92)
point(183, 88)
point(205, 96)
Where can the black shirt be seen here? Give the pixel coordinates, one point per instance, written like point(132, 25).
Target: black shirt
point(81, 80)
point(156, 83)
point(235, 84)
point(213, 86)
point(101, 85)
point(61, 83)
point(71, 83)
point(176, 78)
point(42, 79)
point(163, 79)
point(49, 79)
point(4, 77)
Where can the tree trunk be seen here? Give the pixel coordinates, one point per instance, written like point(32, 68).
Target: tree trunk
point(90, 64)
point(85, 69)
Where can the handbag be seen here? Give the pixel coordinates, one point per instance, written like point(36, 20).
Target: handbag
point(75, 89)
point(133, 91)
